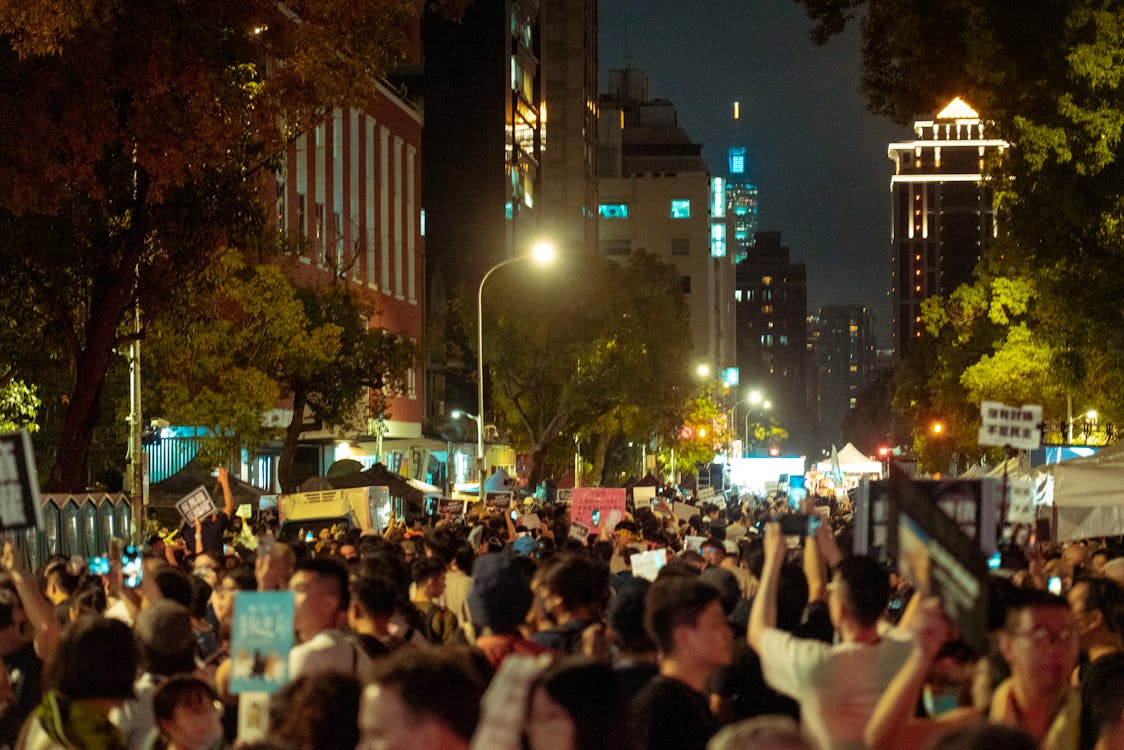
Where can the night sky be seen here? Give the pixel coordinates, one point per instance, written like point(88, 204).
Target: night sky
point(817, 155)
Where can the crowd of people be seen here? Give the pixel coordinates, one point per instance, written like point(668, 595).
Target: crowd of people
point(487, 631)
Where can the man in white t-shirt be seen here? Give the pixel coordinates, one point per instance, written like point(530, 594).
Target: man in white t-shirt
point(320, 600)
point(837, 685)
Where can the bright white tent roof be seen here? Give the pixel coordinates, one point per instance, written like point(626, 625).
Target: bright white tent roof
point(1089, 495)
point(851, 461)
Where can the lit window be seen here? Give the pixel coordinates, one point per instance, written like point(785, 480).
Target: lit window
point(766, 309)
point(613, 210)
point(766, 280)
point(680, 208)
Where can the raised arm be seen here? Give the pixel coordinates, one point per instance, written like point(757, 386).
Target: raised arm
point(763, 615)
point(39, 612)
point(227, 495)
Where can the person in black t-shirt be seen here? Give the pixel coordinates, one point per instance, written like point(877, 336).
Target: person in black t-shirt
point(684, 617)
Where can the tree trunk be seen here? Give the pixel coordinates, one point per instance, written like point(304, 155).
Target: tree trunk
point(596, 475)
point(287, 459)
point(108, 308)
point(538, 458)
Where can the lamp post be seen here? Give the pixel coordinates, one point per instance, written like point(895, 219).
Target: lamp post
point(757, 399)
point(542, 253)
point(457, 414)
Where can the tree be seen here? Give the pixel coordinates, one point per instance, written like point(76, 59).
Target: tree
point(135, 138)
point(703, 434)
point(592, 349)
point(1048, 75)
point(19, 406)
point(246, 336)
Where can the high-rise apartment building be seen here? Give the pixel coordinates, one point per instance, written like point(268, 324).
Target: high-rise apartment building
point(845, 359)
point(771, 298)
point(656, 196)
point(495, 177)
point(942, 209)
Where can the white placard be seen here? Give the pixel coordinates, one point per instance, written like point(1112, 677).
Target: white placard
point(684, 511)
point(198, 504)
point(706, 493)
point(1020, 500)
point(642, 496)
point(1014, 426)
point(647, 564)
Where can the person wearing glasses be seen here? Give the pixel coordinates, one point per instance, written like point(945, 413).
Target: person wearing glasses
point(1039, 643)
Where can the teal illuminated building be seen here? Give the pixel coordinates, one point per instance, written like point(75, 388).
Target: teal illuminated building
point(741, 205)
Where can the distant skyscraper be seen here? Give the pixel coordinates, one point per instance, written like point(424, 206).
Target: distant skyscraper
point(771, 298)
point(844, 354)
point(741, 205)
point(943, 214)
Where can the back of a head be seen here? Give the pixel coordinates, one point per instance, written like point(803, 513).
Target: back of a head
point(167, 640)
point(626, 617)
point(375, 594)
point(761, 733)
point(174, 584)
point(317, 712)
point(576, 580)
point(792, 596)
point(588, 692)
point(501, 592)
point(439, 685)
point(867, 587)
point(181, 690)
point(96, 658)
point(984, 736)
point(1102, 698)
point(674, 602)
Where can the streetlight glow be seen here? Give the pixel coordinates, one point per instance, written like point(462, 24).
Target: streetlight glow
point(542, 253)
point(1091, 415)
point(755, 397)
point(703, 370)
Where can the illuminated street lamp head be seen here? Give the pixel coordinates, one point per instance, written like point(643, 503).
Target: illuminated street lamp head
point(883, 451)
point(766, 404)
point(458, 413)
point(755, 397)
point(1091, 415)
point(703, 370)
point(937, 428)
point(544, 253)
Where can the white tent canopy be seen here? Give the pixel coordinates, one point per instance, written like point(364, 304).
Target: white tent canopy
point(851, 461)
point(1089, 495)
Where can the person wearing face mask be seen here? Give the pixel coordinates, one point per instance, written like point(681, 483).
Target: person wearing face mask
point(188, 714)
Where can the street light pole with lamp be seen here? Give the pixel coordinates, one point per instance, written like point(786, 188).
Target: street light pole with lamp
point(542, 253)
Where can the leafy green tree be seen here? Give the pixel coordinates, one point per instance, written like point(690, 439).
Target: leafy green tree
point(590, 349)
point(703, 434)
point(134, 141)
point(19, 406)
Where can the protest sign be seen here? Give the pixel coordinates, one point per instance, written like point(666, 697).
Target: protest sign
point(1020, 499)
point(591, 504)
point(198, 504)
point(450, 506)
point(939, 559)
point(642, 496)
point(579, 531)
point(1014, 426)
point(261, 638)
point(684, 511)
point(20, 507)
point(498, 499)
point(706, 493)
point(693, 543)
point(244, 511)
point(647, 565)
point(564, 496)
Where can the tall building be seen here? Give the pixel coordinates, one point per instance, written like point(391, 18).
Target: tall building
point(771, 298)
point(845, 358)
point(741, 205)
point(495, 178)
point(943, 215)
point(656, 195)
point(568, 195)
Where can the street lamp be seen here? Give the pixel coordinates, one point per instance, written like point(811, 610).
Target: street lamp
point(543, 254)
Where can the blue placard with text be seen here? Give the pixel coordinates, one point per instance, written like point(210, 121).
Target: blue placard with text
point(260, 641)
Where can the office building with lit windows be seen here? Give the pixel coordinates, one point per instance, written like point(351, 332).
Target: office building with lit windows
point(844, 353)
point(943, 217)
point(771, 299)
point(657, 195)
point(741, 205)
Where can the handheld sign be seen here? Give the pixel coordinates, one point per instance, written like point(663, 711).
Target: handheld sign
point(642, 496)
point(198, 504)
point(261, 638)
point(498, 499)
point(1016, 426)
point(591, 504)
point(20, 507)
point(564, 496)
point(579, 531)
point(647, 565)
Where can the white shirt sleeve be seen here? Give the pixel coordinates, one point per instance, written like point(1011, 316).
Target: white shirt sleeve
point(788, 662)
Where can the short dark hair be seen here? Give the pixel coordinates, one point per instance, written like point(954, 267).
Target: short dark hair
point(1023, 599)
point(426, 568)
point(1106, 596)
point(174, 584)
point(375, 594)
point(179, 690)
point(97, 657)
point(329, 570)
point(464, 558)
point(317, 711)
point(576, 579)
point(1102, 697)
point(441, 685)
point(866, 587)
point(673, 602)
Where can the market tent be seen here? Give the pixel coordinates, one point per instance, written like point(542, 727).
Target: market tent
point(166, 493)
point(851, 461)
point(1089, 495)
point(429, 489)
point(499, 482)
